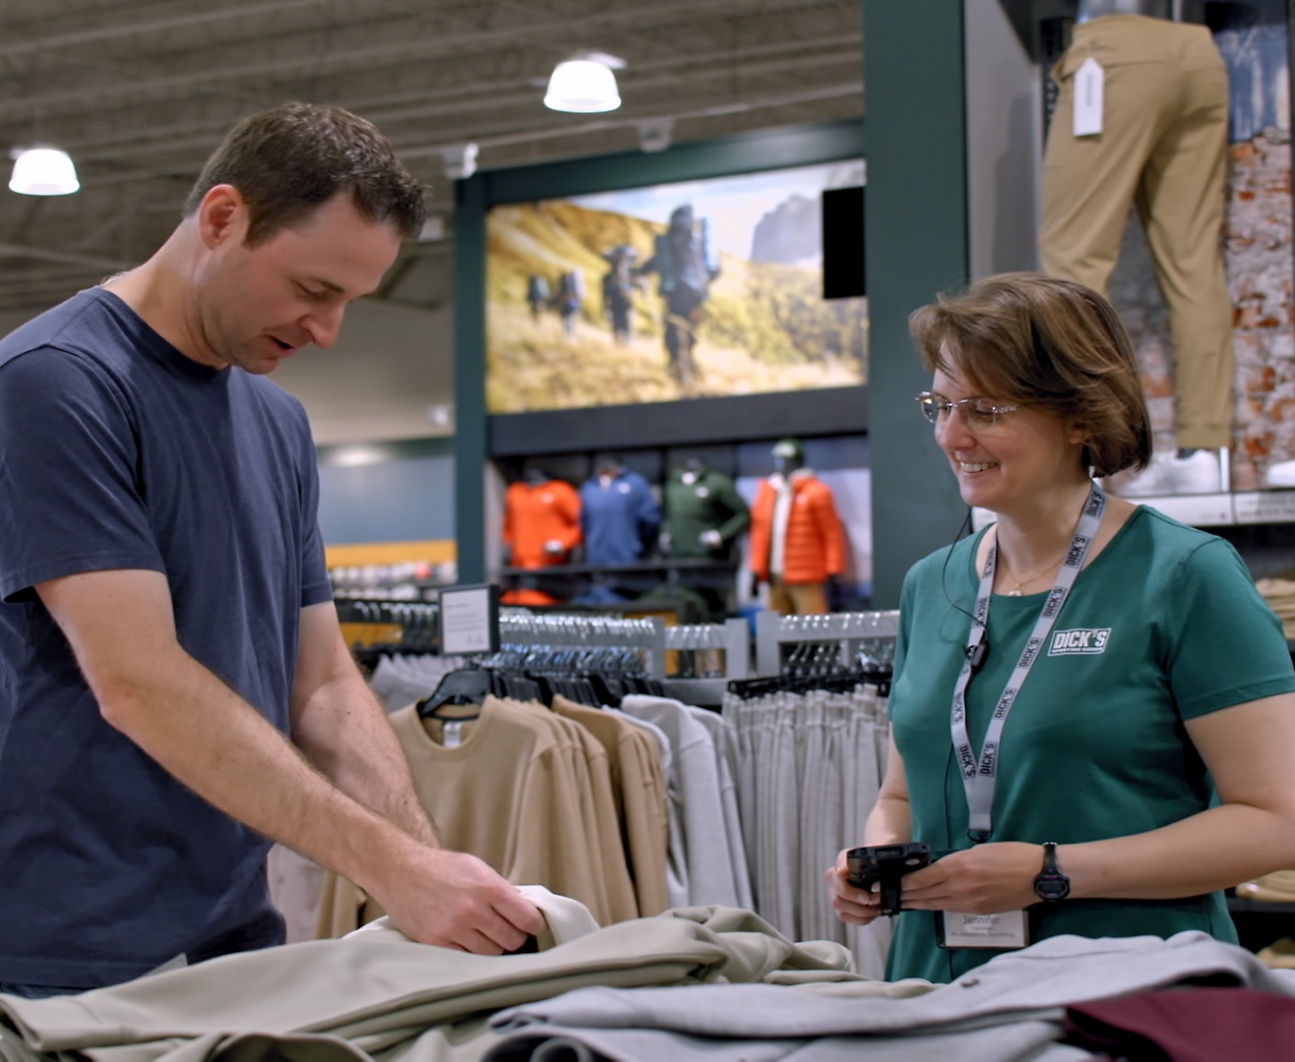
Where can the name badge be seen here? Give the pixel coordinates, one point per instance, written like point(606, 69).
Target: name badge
point(1089, 81)
point(1007, 929)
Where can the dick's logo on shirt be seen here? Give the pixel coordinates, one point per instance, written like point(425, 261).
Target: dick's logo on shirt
point(1082, 641)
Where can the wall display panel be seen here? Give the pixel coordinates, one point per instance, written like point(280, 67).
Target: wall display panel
point(692, 289)
point(1254, 41)
point(621, 419)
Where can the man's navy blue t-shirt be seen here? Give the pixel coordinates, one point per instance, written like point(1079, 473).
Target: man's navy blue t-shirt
point(118, 452)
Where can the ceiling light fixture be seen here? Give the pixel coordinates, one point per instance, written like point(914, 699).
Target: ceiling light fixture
point(43, 171)
point(584, 84)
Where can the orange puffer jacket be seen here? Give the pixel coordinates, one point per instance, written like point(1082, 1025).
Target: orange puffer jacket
point(815, 546)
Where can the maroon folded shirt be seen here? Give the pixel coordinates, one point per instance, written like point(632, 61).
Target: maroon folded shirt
point(1186, 1025)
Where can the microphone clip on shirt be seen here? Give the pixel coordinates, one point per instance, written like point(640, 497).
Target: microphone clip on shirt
point(976, 654)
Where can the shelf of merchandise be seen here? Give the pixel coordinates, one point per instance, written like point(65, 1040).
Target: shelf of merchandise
point(1208, 510)
point(852, 631)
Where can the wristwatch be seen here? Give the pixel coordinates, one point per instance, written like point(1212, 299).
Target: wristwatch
point(1050, 883)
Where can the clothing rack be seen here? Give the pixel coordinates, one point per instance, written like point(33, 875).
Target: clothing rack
point(732, 638)
point(374, 627)
point(726, 647)
point(590, 640)
point(404, 613)
point(826, 644)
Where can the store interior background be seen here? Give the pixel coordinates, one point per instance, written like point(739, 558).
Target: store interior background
point(953, 93)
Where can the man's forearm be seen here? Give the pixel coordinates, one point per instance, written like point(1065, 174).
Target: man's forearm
point(344, 731)
point(225, 751)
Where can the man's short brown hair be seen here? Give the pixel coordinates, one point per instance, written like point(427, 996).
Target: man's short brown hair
point(288, 161)
point(1048, 343)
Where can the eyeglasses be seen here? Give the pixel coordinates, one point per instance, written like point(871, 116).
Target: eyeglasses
point(976, 412)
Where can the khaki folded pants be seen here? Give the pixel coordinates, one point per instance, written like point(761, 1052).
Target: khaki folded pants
point(1163, 149)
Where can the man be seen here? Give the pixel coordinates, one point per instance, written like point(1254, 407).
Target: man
point(167, 624)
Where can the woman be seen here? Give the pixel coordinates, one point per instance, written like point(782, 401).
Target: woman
point(1155, 682)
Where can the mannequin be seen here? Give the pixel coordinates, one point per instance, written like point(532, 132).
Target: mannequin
point(797, 541)
point(619, 515)
point(1158, 140)
point(704, 513)
point(541, 520)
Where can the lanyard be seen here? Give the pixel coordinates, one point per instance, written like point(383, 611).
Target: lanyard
point(980, 775)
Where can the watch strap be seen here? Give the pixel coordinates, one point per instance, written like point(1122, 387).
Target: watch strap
point(1051, 883)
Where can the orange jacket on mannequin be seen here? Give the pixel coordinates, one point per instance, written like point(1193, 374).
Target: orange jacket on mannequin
point(814, 546)
point(538, 515)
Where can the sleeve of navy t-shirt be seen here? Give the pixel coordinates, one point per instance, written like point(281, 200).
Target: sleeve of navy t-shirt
point(68, 462)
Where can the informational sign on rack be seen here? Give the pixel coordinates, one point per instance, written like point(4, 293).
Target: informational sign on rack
point(469, 620)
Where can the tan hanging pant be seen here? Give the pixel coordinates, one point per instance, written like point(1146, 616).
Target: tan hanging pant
point(1163, 148)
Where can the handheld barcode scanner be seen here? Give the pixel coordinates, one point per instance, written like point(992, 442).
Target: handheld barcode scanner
point(886, 863)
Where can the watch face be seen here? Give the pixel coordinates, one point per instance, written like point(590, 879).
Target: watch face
point(1052, 885)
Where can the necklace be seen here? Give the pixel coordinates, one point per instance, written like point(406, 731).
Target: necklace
point(1018, 585)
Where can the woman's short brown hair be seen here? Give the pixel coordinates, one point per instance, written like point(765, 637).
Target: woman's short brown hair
point(1048, 343)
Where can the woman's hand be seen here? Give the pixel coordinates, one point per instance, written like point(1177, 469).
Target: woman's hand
point(855, 907)
point(986, 879)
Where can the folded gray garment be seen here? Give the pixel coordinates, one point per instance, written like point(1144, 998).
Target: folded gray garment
point(1032, 1040)
point(1039, 980)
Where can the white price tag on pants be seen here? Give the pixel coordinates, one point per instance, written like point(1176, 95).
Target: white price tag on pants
point(1089, 82)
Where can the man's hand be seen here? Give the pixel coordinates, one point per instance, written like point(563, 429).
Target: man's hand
point(456, 900)
point(854, 906)
point(986, 879)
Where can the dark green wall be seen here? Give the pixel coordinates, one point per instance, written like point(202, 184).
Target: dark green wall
point(916, 242)
point(470, 454)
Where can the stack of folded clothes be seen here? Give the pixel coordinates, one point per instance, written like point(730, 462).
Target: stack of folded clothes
point(1280, 595)
point(1277, 887)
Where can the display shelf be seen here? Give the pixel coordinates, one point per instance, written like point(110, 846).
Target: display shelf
point(1207, 510)
point(701, 692)
point(644, 567)
point(731, 640)
point(849, 632)
point(1261, 922)
point(1242, 905)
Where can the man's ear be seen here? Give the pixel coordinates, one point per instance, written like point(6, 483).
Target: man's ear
point(222, 216)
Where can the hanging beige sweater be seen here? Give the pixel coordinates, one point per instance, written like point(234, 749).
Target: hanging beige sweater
point(589, 761)
point(639, 796)
point(506, 793)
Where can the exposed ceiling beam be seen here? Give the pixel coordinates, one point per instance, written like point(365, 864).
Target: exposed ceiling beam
point(46, 254)
point(127, 27)
point(141, 88)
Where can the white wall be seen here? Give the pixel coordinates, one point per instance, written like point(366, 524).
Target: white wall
point(389, 368)
point(1004, 142)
